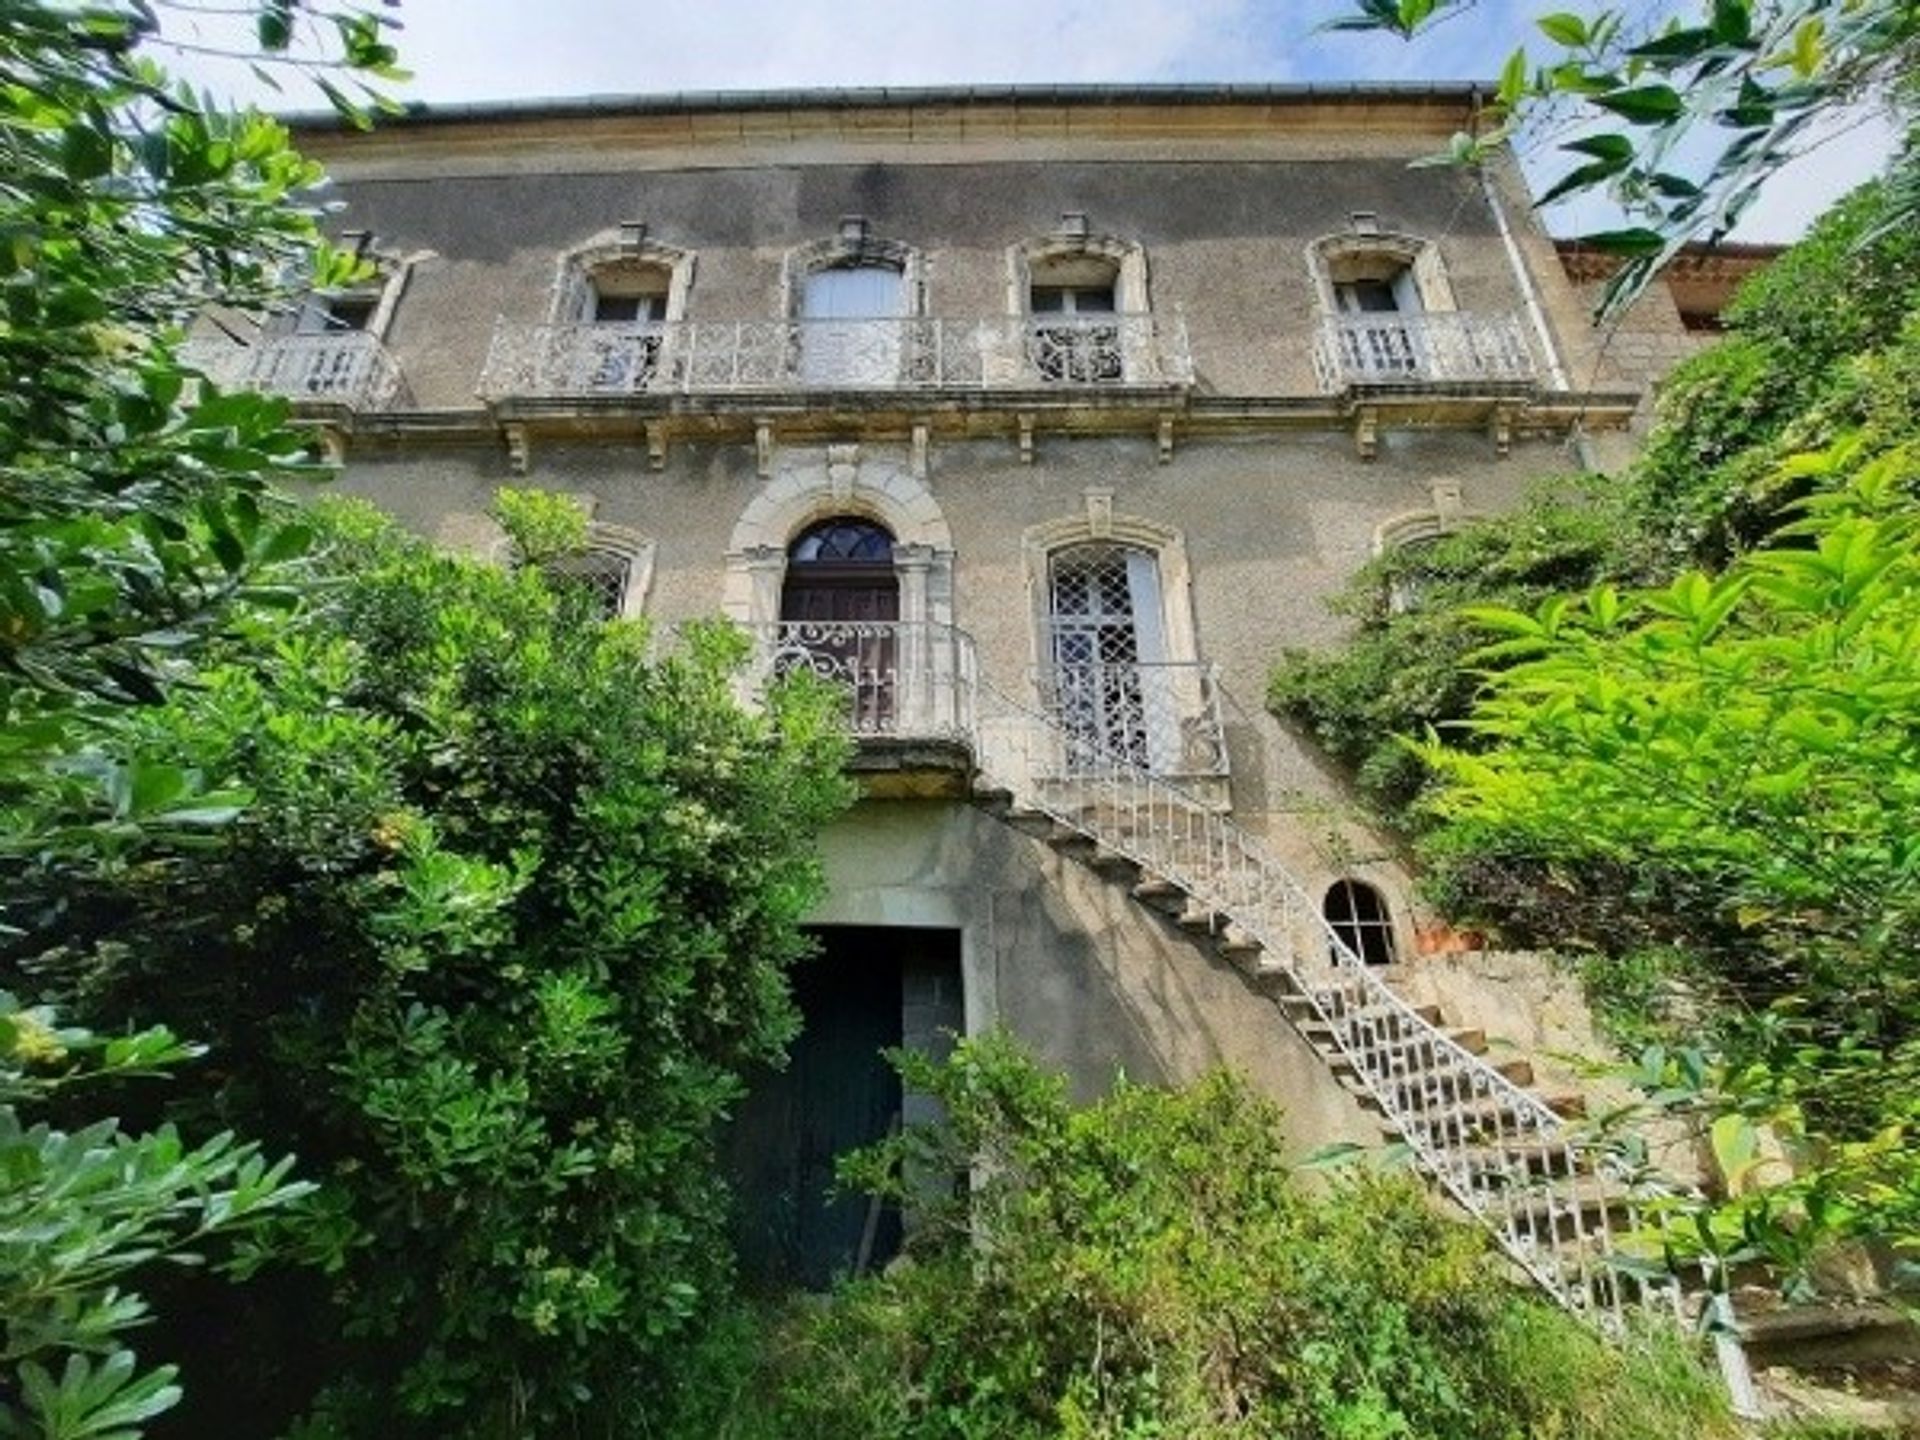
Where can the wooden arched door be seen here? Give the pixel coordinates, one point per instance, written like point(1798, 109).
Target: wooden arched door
point(839, 613)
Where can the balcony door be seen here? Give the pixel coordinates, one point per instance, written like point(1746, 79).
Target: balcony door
point(1109, 686)
point(839, 608)
point(1380, 338)
point(851, 323)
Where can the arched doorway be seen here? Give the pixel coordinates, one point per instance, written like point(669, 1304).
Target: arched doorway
point(840, 611)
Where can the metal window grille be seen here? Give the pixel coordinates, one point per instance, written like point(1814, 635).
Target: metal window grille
point(1099, 693)
point(600, 575)
point(1358, 915)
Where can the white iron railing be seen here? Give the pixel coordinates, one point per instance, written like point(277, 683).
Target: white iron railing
point(903, 679)
point(1164, 716)
point(349, 368)
point(1427, 348)
point(531, 361)
point(1561, 1208)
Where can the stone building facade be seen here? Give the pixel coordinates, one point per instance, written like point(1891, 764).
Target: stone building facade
point(1039, 420)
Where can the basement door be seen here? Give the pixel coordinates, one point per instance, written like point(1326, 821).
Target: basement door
point(868, 989)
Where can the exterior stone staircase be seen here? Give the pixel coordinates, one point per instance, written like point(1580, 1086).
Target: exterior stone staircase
point(1570, 1214)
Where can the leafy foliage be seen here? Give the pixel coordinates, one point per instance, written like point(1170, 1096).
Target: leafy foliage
point(1692, 768)
point(1822, 343)
point(1746, 81)
point(134, 515)
point(1740, 749)
point(1404, 670)
point(82, 1210)
point(509, 911)
point(1109, 1276)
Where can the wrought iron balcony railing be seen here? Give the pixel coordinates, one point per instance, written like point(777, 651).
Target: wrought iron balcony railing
point(587, 360)
point(902, 679)
point(1162, 717)
point(1434, 348)
point(349, 368)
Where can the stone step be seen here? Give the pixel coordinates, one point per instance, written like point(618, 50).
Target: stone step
point(1441, 1084)
point(1523, 1161)
point(1493, 1121)
point(1557, 1213)
point(1381, 1020)
point(1159, 894)
point(1029, 821)
point(1198, 919)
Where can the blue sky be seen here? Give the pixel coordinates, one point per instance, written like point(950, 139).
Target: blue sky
point(516, 49)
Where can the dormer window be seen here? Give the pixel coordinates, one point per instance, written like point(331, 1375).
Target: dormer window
point(1073, 300)
point(628, 294)
point(329, 313)
point(1388, 296)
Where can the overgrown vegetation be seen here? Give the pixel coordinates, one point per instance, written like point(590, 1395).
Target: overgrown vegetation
point(1700, 773)
point(509, 911)
point(135, 515)
point(1820, 343)
point(1112, 1274)
point(450, 889)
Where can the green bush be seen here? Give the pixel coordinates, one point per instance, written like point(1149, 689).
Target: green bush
point(1404, 670)
point(508, 915)
point(1153, 1266)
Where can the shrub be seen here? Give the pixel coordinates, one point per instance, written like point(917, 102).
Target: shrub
point(510, 911)
point(1154, 1266)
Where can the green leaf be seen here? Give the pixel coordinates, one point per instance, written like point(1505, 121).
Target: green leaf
point(1564, 28)
point(1637, 240)
point(1644, 104)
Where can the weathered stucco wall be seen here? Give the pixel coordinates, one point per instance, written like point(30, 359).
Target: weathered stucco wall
point(1272, 529)
point(1089, 980)
point(1226, 244)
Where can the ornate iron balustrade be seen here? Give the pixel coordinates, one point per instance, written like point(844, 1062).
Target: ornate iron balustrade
point(1412, 350)
point(349, 368)
point(1565, 1210)
point(541, 361)
point(1165, 717)
point(903, 679)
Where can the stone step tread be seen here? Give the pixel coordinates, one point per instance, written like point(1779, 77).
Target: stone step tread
point(1517, 1069)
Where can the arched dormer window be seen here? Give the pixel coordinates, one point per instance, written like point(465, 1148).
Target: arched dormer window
point(1083, 300)
point(614, 301)
point(1373, 286)
point(1358, 915)
point(852, 300)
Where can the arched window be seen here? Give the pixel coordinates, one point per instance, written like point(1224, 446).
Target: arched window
point(1108, 682)
point(1358, 915)
point(1374, 287)
point(851, 330)
point(839, 612)
point(615, 301)
point(1083, 300)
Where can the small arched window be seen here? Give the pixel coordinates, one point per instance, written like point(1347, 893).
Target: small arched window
point(1358, 915)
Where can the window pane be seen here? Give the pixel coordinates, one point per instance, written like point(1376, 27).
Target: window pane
point(1049, 300)
point(619, 307)
point(1094, 302)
